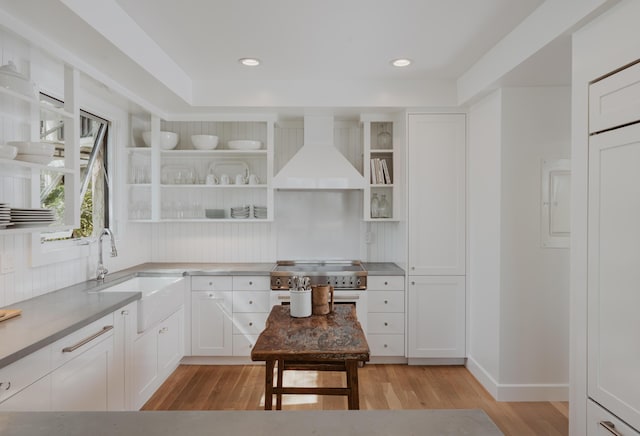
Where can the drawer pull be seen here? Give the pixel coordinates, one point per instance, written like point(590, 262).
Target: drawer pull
point(386, 283)
point(385, 345)
point(210, 283)
point(250, 301)
point(250, 283)
point(5, 383)
point(413, 283)
point(163, 330)
point(386, 324)
point(386, 301)
point(88, 339)
point(610, 427)
point(213, 297)
point(250, 324)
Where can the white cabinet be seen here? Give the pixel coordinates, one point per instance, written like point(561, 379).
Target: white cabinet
point(25, 385)
point(437, 189)
point(156, 353)
point(613, 273)
point(34, 398)
point(386, 317)
point(383, 167)
point(615, 101)
point(211, 323)
point(251, 307)
point(436, 313)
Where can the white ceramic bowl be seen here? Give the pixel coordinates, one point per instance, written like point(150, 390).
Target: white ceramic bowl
point(244, 144)
point(168, 140)
point(37, 148)
point(8, 151)
point(204, 142)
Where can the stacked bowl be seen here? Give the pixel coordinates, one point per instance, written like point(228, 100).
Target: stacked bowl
point(241, 212)
point(34, 152)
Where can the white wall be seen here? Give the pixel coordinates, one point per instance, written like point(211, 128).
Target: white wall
point(27, 281)
point(534, 300)
point(483, 274)
point(518, 291)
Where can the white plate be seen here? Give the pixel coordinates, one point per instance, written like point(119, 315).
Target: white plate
point(244, 144)
point(34, 158)
point(32, 224)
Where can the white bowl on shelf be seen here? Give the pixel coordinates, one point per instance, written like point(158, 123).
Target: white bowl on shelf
point(244, 144)
point(35, 148)
point(204, 142)
point(8, 152)
point(168, 140)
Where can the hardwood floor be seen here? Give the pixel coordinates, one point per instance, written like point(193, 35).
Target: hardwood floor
point(196, 387)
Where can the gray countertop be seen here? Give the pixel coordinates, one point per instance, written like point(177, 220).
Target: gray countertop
point(302, 423)
point(50, 317)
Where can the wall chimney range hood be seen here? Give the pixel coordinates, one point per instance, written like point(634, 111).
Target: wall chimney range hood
point(318, 164)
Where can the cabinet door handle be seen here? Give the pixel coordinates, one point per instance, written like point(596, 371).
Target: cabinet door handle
point(610, 427)
point(386, 324)
point(386, 301)
point(385, 345)
point(250, 283)
point(413, 283)
point(2, 385)
point(250, 301)
point(163, 330)
point(88, 339)
point(213, 297)
point(250, 324)
point(124, 313)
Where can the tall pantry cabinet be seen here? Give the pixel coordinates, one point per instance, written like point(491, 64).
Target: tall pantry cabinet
point(436, 222)
point(613, 256)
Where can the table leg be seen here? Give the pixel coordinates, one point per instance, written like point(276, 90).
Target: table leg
point(268, 385)
point(280, 376)
point(352, 384)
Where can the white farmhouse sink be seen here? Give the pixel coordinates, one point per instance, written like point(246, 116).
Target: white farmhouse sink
point(161, 296)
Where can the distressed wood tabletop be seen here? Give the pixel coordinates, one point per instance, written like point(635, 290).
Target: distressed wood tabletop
point(337, 336)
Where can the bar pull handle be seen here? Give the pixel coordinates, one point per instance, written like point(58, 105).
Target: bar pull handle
point(610, 427)
point(283, 297)
point(88, 339)
point(346, 297)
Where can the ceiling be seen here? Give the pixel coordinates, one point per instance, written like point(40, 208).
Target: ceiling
point(183, 56)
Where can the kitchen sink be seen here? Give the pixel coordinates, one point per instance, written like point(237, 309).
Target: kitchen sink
point(161, 296)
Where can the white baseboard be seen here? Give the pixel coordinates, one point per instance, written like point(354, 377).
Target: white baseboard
point(517, 392)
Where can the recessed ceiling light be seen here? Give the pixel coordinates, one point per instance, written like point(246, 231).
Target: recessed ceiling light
point(249, 62)
point(401, 62)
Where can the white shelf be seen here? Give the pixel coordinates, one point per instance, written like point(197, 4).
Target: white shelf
point(382, 185)
point(22, 164)
point(213, 153)
point(23, 230)
point(214, 220)
point(377, 220)
point(261, 186)
point(381, 151)
point(140, 185)
point(56, 110)
point(138, 149)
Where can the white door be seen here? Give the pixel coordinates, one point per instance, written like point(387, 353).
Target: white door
point(170, 343)
point(144, 366)
point(211, 323)
point(437, 194)
point(436, 326)
point(614, 272)
point(82, 384)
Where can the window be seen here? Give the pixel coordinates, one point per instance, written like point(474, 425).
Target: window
point(94, 180)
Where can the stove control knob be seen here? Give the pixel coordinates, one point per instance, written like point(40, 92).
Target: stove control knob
point(278, 282)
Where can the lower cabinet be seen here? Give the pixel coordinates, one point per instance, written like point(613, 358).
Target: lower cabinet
point(155, 354)
point(436, 311)
point(211, 323)
point(385, 316)
point(601, 422)
point(34, 398)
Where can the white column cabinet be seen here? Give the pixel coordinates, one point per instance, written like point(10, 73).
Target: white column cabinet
point(436, 194)
point(613, 277)
point(436, 306)
point(436, 317)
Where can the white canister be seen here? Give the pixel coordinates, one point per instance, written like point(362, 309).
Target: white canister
point(300, 303)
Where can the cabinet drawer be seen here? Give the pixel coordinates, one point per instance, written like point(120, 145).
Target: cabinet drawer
point(385, 323)
point(22, 373)
point(251, 283)
point(242, 344)
point(598, 419)
point(249, 323)
point(386, 345)
point(74, 344)
point(251, 301)
point(390, 301)
point(211, 283)
point(615, 100)
point(385, 283)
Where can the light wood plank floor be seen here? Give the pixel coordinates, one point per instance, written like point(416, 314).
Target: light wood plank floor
point(213, 387)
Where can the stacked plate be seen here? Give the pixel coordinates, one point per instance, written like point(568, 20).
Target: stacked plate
point(31, 217)
point(260, 212)
point(240, 212)
point(34, 152)
point(5, 216)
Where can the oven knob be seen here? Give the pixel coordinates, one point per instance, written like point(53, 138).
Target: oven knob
point(359, 282)
point(278, 282)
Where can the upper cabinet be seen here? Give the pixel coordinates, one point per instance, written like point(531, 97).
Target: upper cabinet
point(437, 187)
point(383, 167)
point(191, 182)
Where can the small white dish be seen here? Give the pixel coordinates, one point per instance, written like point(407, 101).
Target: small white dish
point(34, 148)
point(244, 144)
point(34, 158)
point(168, 140)
point(204, 142)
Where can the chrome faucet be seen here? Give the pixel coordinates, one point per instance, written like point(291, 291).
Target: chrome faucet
point(101, 272)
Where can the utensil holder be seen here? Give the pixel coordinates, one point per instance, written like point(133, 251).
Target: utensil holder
point(300, 303)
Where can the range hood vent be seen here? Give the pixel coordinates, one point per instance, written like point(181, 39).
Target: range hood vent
point(318, 164)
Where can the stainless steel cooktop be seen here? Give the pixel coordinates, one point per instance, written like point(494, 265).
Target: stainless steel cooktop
point(342, 275)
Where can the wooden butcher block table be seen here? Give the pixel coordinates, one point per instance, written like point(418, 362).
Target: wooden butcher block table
point(333, 342)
